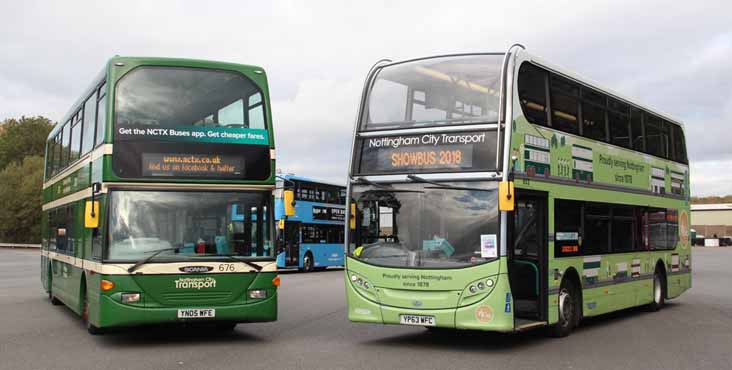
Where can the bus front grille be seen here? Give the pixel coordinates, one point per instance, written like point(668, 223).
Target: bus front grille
point(197, 297)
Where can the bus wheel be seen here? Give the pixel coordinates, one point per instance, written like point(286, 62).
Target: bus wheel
point(307, 262)
point(659, 291)
point(93, 330)
point(567, 311)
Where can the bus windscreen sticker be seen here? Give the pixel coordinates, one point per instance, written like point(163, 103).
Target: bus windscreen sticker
point(194, 165)
point(438, 152)
point(488, 246)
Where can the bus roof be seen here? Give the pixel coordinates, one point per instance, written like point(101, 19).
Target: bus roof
point(308, 179)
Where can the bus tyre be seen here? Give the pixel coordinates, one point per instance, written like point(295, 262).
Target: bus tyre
point(568, 309)
point(307, 262)
point(93, 330)
point(659, 291)
point(54, 301)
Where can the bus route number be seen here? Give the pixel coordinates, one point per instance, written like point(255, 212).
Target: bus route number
point(226, 267)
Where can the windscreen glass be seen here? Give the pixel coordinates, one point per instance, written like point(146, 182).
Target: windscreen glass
point(420, 225)
point(174, 122)
point(188, 225)
point(167, 97)
point(435, 91)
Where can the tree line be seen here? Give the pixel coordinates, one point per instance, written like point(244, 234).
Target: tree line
point(711, 199)
point(22, 149)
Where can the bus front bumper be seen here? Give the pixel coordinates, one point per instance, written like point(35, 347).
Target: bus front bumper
point(113, 313)
point(493, 313)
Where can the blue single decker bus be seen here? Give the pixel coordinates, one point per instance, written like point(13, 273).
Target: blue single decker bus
point(313, 238)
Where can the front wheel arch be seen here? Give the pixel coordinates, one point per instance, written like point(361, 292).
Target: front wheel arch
point(574, 278)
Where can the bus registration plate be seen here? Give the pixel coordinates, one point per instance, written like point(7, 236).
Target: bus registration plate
point(196, 313)
point(417, 320)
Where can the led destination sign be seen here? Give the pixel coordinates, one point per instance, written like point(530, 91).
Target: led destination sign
point(329, 213)
point(438, 152)
point(194, 165)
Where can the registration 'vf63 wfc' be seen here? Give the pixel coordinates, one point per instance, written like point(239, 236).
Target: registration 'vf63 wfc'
point(495, 191)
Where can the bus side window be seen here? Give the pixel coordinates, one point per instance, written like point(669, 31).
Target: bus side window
point(567, 228)
point(255, 111)
point(565, 105)
point(532, 93)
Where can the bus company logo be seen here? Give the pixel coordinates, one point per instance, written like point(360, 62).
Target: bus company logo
point(195, 283)
point(484, 314)
point(417, 303)
point(195, 269)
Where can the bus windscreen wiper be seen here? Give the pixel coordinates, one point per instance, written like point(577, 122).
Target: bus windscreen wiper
point(366, 181)
point(147, 259)
point(439, 185)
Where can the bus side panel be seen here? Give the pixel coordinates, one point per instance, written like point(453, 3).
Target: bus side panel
point(324, 255)
point(44, 252)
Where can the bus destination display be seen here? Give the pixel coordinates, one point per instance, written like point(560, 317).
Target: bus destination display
point(438, 152)
point(191, 165)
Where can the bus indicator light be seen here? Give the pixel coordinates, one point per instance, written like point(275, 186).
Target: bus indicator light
point(106, 285)
point(276, 281)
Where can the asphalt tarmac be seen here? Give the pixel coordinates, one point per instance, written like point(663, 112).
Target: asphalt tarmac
point(691, 332)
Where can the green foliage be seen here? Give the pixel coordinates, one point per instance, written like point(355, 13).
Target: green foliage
point(22, 149)
point(20, 196)
point(711, 200)
point(23, 137)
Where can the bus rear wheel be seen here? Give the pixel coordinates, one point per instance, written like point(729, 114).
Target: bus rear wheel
point(659, 291)
point(568, 309)
point(307, 262)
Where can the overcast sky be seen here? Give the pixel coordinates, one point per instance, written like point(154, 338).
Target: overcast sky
point(672, 57)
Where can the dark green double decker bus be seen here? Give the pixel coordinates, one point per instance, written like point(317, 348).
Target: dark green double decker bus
point(157, 197)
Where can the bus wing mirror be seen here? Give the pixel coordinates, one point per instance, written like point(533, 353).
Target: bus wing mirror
point(352, 220)
point(91, 214)
point(506, 196)
point(289, 198)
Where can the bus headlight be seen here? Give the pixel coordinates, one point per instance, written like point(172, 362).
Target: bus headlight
point(130, 297)
point(257, 294)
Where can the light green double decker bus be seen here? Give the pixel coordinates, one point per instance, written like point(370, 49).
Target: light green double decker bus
point(157, 199)
point(498, 192)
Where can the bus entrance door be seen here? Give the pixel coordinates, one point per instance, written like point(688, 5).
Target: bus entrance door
point(528, 258)
point(292, 243)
